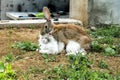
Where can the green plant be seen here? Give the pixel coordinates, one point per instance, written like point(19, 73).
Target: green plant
point(106, 39)
point(40, 14)
point(117, 47)
point(27, 46)
point(10, 40)
point(117, 77)
point(49, 58)
point(9, 57)
point(25, 76)
point(36, 70)
point(109, 51)
point(79, 60)
point(95, 46)
point(78, 69)
point(6, 72)
point(102, 64)
point(107, 31)
point(104, 76)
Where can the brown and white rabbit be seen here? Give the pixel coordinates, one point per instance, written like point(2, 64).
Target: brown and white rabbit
point(74, 37)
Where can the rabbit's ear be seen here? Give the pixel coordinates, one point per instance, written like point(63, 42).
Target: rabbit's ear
point(46, 13)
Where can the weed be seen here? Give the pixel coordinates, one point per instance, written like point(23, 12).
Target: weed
point(109, 51)
point(49, 58)
point(106, 40)
point(117, 77)
point(117, 47)
point(25, 76)
point(6, 72)
point(27, 46)
point(107, 31)
point(79, 60)
point(36, 70)
point(95, 46)
point(104, 76)
point(78, 69)
point(102, 64)
point(31, 27)
point(10, 40)
point(9, 57)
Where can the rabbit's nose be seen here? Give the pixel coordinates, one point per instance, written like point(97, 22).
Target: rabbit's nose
point(50, 33)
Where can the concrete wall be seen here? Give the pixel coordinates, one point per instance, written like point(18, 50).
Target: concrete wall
point(100, 11)
point(21, 6)
point(78, 10)
point(30, 5)
point(104, 12)
point(6, 5)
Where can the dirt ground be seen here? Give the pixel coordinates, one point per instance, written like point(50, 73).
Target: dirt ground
point(33, 59)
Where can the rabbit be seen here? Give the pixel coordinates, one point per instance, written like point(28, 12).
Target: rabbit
point(47, 41)
point(74, 48)
point(49, 45)
point(66, 33)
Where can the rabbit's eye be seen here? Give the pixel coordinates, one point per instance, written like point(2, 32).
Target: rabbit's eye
point(46, 27)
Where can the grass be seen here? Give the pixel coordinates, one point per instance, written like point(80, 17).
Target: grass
point(6, 72)
point(106, 43)
point(107, 31)
point(49, 58)
point(109, 51)
point(26, 45)
point(106, 40)
point(102, 64)
point(9, 57)
point(78, 69)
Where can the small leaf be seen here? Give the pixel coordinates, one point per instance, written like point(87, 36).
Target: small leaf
point(2, 67)
point(45, 56)
point(109, 51)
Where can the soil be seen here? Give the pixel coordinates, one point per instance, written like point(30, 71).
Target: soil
point(27, 60)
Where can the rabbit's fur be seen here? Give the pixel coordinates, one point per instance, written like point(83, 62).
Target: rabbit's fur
point(72, 36)
point(49, 45)
point(74, 47)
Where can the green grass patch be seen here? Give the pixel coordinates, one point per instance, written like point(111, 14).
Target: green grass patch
point(106, 40)
point(102, 64)
point(6, 72)
point(49, 58)
point(9, 57)
point(107, 31)
point(78, 69)
point(26, 45)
